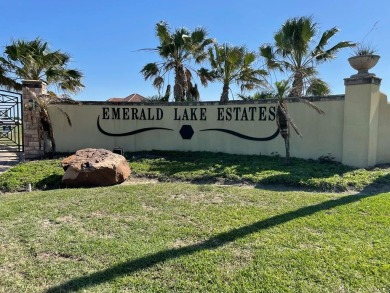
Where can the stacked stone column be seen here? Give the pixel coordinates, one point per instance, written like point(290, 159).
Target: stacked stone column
point(32, 147)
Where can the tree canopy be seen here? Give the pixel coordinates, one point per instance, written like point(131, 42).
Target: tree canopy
point(34, 60)
point(177, 50)
point(232, 64)
point(292, 53)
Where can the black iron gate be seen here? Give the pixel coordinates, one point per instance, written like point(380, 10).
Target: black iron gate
point(11, 121)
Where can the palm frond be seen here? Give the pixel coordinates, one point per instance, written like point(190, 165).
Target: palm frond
point(311, 105)
point(258, 96)
point(178, 49)
point(65, 114)
point(289, 120)
point(282, 89)
point(291, 52)
point(233, 64)
point(268, 53)
point(150, 70)
point(249, 58)
point(207, 42)
point(35, 60)
point(188, 74)
point(331, 53)
point(325, 39)
point(317, 87)
point(205, 76)
point(162, 32)
point(198, 35)
point(7, 82)
point(158, 82)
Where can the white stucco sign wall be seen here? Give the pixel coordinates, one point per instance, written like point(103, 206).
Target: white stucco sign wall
point(236, 127)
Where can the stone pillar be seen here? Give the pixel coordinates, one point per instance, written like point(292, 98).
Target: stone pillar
point(32, 89)
point(361, 112)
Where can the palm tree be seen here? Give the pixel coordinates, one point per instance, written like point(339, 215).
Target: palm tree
point(177, 49)
point(292, 53)
point(7, 82)
point(283, 119)
point(45, 129)
point(33, 60)
point(232, 64)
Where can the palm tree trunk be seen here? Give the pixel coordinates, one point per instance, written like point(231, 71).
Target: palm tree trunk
point(284, 128)
point(177, 92)
point(189, 97)
point(195, 93)
point(165, 98)
point(52, 141)
point(49, 144)
point(282, 121)
point(297, 85)
point(188, 86)
point(225, 94)
point(180, 84)
point(287, 146)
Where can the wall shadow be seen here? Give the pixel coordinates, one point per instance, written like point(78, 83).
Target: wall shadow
point(216, 167)
point(219, 240)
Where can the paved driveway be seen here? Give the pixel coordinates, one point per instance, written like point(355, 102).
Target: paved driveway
point(7, 160)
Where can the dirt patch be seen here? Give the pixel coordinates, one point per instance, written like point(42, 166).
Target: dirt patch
point(58, 256)
point(139, 180)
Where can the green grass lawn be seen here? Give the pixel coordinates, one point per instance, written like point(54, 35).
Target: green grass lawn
point(179, 237)
point(203, 167)
point(274, 233)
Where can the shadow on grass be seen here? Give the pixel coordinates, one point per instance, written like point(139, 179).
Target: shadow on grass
point(217, 241)
point(50, 182)
point(266, 172)
point(262, 170)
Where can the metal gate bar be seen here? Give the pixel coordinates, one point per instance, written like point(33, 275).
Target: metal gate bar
point(11, 121)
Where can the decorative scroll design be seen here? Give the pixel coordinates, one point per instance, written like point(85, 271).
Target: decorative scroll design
point(130, 132)
point(243, 136)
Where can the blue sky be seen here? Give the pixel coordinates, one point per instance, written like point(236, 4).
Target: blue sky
point(104, 37)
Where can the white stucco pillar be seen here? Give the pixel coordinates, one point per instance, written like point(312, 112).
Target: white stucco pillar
point(361, 112)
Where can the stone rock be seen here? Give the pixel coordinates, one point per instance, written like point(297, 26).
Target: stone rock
point(94, 167)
